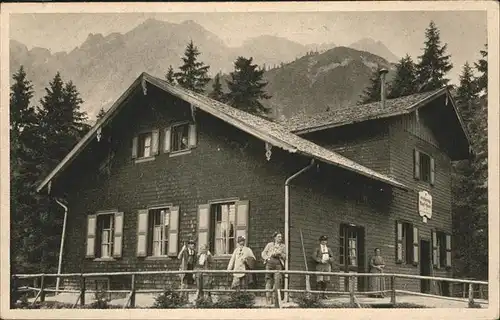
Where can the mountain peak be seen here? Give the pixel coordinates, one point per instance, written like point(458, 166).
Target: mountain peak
point(376, 47)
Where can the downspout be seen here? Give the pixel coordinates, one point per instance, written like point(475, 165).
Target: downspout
point(63, 235)
point(287, 221)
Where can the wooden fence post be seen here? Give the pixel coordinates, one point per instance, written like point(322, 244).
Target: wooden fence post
point(42, 287)
point(82, 290)
point(276, 291)
point(393, 290)
point(471, 295)
point(132, 292)
point(14, 291)
point(351, 289)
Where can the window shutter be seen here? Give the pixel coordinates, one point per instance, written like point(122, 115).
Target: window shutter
point(142, 232)
point(192, 135)
point(416, 161)
point(166, 140)
point(434, 249)
point(448, 251)
point(399, 242)
point(416, 245)
point(155, 137)
point(135, 143)
point(203, 224)
point(173, 232)
point(91, 228)
point(242, 208)
point(118, 235)
point(432, 163)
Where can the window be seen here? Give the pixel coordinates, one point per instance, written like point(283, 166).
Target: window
point(424, 167)
point(157, 232)
point(104, 235)
point(224, 218)
point(105, 232)
point(441, 251)
point(221, 223)
point(145, 145)
point(180, 137)
point(160, 220)
point(407, 243)
point(145, 140)
point(351, 252)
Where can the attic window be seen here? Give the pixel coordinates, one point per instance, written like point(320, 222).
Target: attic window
point(180, 137)
point(145, 145)
point(424, 167)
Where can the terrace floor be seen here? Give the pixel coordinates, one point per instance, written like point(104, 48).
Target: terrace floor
point(147, 300)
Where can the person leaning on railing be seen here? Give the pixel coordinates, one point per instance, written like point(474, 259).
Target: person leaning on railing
point(274, 255)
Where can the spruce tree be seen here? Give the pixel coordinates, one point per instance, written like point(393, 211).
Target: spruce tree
point(372, 92)
point(193, 74)
point(482, 68)
point(404, 83)
point(434, 63)
point(246, 87)
point(170, 76)
point(101, 114)
point(467, 93)
point(216, 92)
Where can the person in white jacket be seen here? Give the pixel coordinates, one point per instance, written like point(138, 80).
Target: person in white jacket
point(242, 259)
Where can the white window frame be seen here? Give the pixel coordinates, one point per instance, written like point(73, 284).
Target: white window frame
point(216, 238)
point(164, 229)
point(173, 128)
point(111, 229)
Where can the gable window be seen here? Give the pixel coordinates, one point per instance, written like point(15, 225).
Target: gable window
point(407, 243)
point(441, 249)
point(424, 167)
point(180, 137)
point(104, 235)
point(157, 232)
point(145, 145)
point(145, 140)
point(221, 223)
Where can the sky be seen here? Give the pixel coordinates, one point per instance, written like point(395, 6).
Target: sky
point(464, 32)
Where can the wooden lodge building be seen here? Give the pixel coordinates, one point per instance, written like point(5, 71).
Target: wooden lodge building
point(166, 165)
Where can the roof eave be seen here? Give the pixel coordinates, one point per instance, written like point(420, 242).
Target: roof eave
point(90, 135)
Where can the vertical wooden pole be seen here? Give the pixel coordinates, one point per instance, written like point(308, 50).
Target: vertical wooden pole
point(42, 287)
point(351, 290)
point(82, 288)
point(393, 290)
point(464, 289)
point(471, 295)
point(132, 292)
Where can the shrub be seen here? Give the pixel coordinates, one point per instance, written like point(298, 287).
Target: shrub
point(307, 300)
point(205, 303)
point(475, 305)
point(236, 300)
point(101, 301)
point(169, 300)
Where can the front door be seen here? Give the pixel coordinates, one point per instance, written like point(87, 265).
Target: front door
point(352, 253)
point(425, 265)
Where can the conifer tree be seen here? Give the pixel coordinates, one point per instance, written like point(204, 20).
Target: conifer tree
point(246, 87)
point(467, 93)
point(434, 63)
point(482, 68)
point(372, 92)
point(216, 92)
point(405, 80)
point(170, 76)
point(193, 74)
point(101, 114)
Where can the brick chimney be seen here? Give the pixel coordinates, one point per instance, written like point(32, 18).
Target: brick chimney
point(383, 88)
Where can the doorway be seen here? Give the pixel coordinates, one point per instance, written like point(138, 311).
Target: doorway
point(352, 253)
point(425, 265)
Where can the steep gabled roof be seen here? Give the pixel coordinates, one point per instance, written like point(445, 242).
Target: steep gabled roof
point(273, 133)
point(369, 111)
